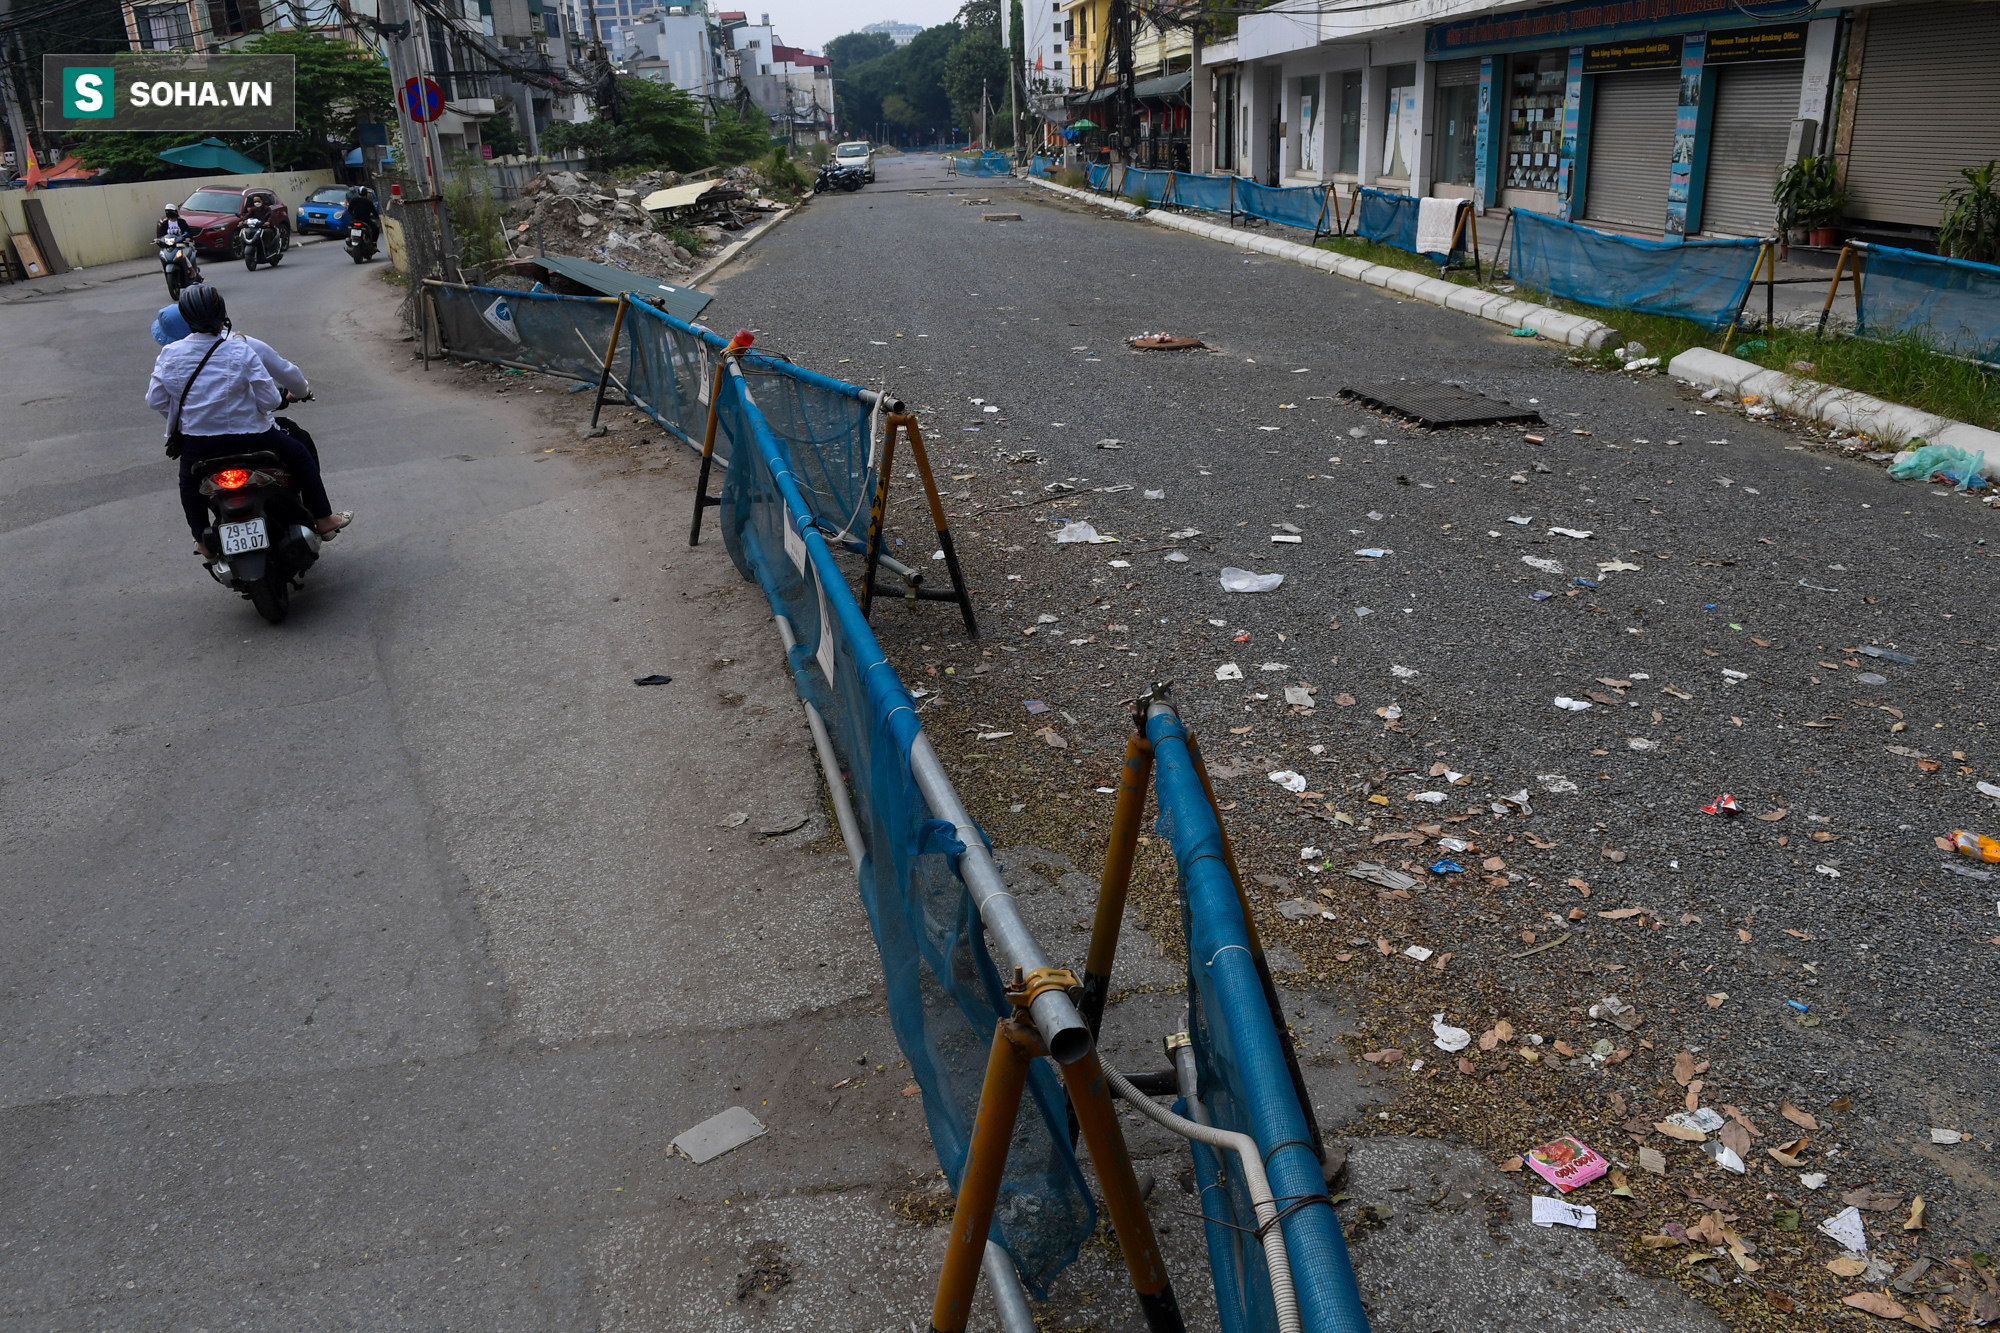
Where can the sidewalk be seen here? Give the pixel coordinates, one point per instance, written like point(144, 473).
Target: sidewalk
point(79, 279)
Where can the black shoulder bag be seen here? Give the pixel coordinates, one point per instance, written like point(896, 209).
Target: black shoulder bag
point(174, 426)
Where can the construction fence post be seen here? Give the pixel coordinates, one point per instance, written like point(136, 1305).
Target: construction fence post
point(702, 499)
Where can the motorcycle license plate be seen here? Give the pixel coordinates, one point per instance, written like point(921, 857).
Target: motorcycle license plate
point(240, 537)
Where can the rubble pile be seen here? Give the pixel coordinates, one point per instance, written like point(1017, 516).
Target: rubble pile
point(566, 213)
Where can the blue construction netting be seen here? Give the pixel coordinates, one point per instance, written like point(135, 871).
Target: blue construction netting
point(1953, 304)
point(1302, 206)
point(1041, 166)
point(1704, 281)
point(1100, 176)
point(1390, 219)
point(1210, 194)
point(559, 335)
point(983, 164)
point(1157, 186)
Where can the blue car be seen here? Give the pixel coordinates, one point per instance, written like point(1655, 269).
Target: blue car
point(325, 210)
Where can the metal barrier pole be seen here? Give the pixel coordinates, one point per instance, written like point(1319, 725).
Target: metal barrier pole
point(1506, 224)
point(829, 763)
point(1771, 291)
point(1730, 335)
point(1016, 1044)
point(702, 499)
point(878, 508)
point(610, 351)
point(1833, 290)
point(1126, 820)
point(916, 434)
point(1091, 1098)
point(1008, 1297)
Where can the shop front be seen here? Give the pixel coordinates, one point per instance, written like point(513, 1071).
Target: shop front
point(1660, 119)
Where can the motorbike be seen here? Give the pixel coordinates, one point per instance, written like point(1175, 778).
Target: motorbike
point(360, 242)
point(260, 242)
point(179, 264)
point(262, 537)
point(833, 176)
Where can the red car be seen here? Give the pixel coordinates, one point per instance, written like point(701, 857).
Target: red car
point(214, 212)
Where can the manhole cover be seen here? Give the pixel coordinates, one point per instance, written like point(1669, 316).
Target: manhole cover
point(1438, 404)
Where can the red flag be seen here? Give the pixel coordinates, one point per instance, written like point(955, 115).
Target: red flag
point(1038, 62)
point(34, 175)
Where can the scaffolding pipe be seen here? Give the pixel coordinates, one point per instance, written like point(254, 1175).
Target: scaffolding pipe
point(829, 763)
point(1055, 1015)
point(1275, 1259)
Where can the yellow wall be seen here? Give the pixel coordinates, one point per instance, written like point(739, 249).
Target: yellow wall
point(1089, 33)
point(102, 224)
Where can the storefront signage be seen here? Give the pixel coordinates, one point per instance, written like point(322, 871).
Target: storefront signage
point(1640, 53)
point(1581, 24)
point(1747, 44)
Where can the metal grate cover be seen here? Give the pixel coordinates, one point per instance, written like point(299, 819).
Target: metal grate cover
point(1437, 405)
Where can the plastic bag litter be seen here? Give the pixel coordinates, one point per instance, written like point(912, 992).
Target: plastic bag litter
point(1448, 1038)
point(1175, 557)
point(1242, 580)
point(1845, 1228)
point(1079, 531)
point(1547, 566)
point(1287, 779)
point(1381, 874)
point(1886, 655)
point(1229, 671)
point(1298, 696)
point(1563, 701)
point(1976, 845)
point(1959, 468)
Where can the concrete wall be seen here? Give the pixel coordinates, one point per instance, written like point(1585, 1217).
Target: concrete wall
point(102, 224)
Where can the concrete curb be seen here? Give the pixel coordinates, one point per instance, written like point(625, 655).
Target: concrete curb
point(1572, 330)
point(731, 252)
point(1843, 409)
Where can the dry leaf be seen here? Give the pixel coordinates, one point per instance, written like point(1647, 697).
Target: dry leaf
point(1716, 998)
point(1504, 1029)
point(1916, 1222)
point(1382, 946)
point(1613, 855)
point(1659, 1242)
point(1875, 1303)
point(1685, 1068)
point(1674, 1131)
point(1565, 1050)
point(1925, 1317)
point(1543, 843)
point(1735, 1138)
point(1581, 886)
point(1511, 1164)
point(1800, 934)
point(1821, 835)
point(1773, 816)
point(1493, 863)
point(1344, 700)
point(1619, 1055)
point(1385, 1057)
point(1803, 1119)
point(1846, 1267)
point(1466, 1066)
point(1694, 1096)
point(1708, 1231)
point(1742, 935)
point(1622, 914)
point(1783, 1158)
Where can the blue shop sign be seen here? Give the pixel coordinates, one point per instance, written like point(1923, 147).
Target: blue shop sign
point(1592, 23)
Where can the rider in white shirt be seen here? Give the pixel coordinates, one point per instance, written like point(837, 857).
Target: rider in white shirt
point(228, 407)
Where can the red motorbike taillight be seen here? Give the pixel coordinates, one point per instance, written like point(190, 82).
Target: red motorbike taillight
point(232, 479)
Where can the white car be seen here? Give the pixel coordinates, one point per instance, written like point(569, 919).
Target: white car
point(857, 153)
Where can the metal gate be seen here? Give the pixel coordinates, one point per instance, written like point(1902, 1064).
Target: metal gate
point(1927, 104)
point(1755, 106)
point(1631, 148)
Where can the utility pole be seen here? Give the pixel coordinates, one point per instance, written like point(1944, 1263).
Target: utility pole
point(14, 92)
point(1128, 109)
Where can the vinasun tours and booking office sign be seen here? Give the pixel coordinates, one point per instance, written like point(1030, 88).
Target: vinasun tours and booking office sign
point(166, 92)
point(1594, 24)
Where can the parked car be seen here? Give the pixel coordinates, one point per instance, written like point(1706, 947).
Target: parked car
point(325, 209)
point(214, 212)
point(857, 153)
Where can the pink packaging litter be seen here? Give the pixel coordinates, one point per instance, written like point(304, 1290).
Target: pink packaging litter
point(1567, 1163)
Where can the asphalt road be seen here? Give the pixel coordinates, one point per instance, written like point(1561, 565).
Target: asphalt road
point(1718, 545)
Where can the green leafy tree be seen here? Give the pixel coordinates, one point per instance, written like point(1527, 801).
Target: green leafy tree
point(738, 137)
point(975, 70)
point(980, 16)
point(857, 48)
point(655, 125)
point(501, 133)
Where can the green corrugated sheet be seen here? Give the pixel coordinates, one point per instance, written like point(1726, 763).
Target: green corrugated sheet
point(683, 303)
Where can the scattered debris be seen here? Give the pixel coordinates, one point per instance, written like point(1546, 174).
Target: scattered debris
point(720, 1133)
point(654, 680)
point(1567, 1163)
point(1242, 580)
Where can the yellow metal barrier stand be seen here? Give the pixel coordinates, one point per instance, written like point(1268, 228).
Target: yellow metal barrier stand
point(907, 423)
point(1016, 1044)
point(702, 499)
point(1127, 818)
point(1833, 288)
point(604, 379)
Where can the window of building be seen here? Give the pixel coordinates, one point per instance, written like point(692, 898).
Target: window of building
point(163, 27)
point(1534, 119)
point(1350, 123)
point(1457, 121)
point(1401, 133)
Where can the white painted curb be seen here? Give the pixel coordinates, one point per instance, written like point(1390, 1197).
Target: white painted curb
point(1843, 409)
point(1572, 330)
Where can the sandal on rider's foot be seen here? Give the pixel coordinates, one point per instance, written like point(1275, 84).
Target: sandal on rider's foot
point(341, 520)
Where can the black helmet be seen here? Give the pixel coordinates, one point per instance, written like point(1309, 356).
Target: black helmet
point(201, 306)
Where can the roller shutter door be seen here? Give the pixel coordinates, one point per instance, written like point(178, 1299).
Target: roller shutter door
point(1927, 104)
point(1631, 148)
point(1755, 106)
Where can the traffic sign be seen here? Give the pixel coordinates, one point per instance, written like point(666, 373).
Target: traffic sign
point(423, 100)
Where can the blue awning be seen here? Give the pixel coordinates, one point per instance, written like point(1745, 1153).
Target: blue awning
point(354, 157)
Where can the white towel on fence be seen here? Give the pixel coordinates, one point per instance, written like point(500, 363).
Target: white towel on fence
point(1437, 223)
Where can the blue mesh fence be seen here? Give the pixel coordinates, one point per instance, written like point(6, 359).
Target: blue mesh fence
point(1210, 194)
point(1294, 206)
point(1704, 281)
point(1156, 185)
point(1041, 166)
point(1100, 176)
point(1953, 304)
point(983, 164)
point(558, 335)
point(798, 448)
point(1388, 218)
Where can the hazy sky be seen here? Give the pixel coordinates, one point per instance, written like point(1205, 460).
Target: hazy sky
point(816, 22)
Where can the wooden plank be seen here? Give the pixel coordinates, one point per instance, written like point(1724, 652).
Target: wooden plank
point(45, 238)
point(31, 258)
